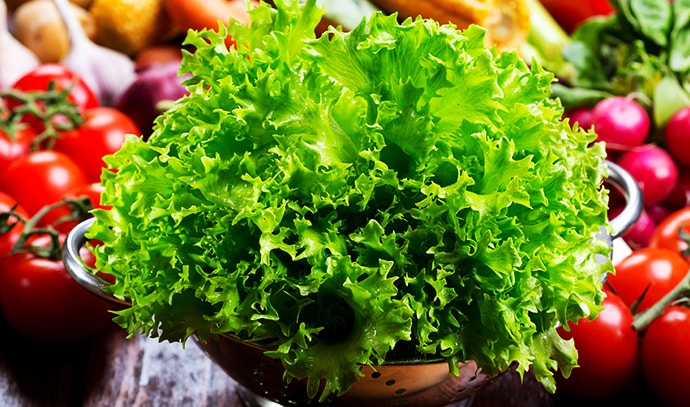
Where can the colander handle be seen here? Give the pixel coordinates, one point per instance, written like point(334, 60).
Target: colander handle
point(620, 179)
point(75, 266)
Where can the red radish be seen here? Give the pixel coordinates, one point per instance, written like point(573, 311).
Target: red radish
point(620, 122)
point(581, 115)
point(641, 231)
point(658, 212)
point(677, 136)
point(654, 170)
point(680, 195)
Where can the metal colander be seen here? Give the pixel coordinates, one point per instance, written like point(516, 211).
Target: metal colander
point(396, 384)
point(260, 378)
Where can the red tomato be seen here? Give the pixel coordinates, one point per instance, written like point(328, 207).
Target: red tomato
point(16, 146)
point(607, 352)
point(666, 356)
point(8, 239)
point(41, 301)
point(102, 133)
point(570, 14)
point(63, 78)
point(91, 191)
point(651, 272)
point(41, 178)
point(672, 232)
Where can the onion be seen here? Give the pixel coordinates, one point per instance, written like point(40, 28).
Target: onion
point(148, 96)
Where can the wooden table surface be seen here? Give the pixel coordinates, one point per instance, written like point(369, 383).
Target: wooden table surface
point(113, 371)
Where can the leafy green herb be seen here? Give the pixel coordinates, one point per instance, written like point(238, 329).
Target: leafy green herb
point(339, 199)
point(642, 48)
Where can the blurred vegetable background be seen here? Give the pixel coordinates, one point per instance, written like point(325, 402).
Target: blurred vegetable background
point(621, 68)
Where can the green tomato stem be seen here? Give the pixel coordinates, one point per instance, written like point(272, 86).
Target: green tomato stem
point(644, 318)
point(45, 106)
point(79, 210)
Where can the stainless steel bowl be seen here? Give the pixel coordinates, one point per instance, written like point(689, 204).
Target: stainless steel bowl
point(425, 384)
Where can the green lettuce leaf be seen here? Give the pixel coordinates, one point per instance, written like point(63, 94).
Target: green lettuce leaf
point(395, 191)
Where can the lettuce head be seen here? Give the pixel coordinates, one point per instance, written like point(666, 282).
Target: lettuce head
point(399, 190)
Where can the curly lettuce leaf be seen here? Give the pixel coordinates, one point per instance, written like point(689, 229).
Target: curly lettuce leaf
point(397, 190)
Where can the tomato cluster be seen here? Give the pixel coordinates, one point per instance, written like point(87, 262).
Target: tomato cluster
point(53, 138)
point(643, 332)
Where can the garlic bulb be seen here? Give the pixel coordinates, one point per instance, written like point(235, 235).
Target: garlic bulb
point(106, 71)
point(15, 59)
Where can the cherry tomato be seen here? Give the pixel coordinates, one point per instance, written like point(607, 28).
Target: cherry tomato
point(607, 352)
point(669, 232)
point(15, 146)
point(102, 133)
point(41, 301)
point(570, 14)
point(665, 356)
point(8, 239)
point(41, 77)
point(651, 272)
point(41, 178)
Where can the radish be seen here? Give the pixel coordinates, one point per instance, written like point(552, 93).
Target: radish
point(677, 136)
point(680, 195)
point(620, 122)
point(641, 231)
point(581, 115)
point(654, 170)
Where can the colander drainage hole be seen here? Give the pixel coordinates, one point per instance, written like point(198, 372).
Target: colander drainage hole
point(390, 382)
point(376, 375)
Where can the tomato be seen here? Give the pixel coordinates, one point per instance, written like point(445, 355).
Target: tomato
point(41, 301)
point(63, 78)
point(669, 232)
point(102, 133)
point(92, 191)
point(665, 356)
point(15, 146)
point(570, 14)
point(41, 178)
point(205, 14)
point(607, 352)
point(8, 239)
point(651, 272)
